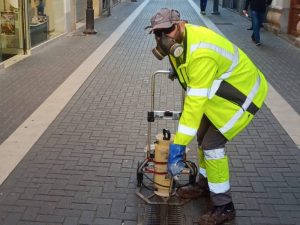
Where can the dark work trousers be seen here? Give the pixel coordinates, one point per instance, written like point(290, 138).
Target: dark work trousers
point(203, 5)
point(209, 138)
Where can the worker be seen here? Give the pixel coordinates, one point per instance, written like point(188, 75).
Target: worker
point(224, 89)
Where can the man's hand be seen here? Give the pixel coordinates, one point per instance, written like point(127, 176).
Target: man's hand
point(172, 74)
point(245, 13)
point(175, 160)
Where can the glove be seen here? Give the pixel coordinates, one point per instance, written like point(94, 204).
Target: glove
point(172, 74)
point(175, 160)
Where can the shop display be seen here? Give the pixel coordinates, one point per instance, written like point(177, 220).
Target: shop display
point(7, 23)
point(27, 23)
point(38, 23)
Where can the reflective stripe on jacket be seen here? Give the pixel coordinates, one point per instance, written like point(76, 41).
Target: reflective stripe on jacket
point(220, 81)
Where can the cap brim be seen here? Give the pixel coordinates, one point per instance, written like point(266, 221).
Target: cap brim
point(164, 25)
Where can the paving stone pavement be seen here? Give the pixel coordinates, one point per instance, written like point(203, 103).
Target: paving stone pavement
point(24, 86)
point(82, 170)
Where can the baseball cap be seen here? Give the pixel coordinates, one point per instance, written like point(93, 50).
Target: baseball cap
point(163, 19)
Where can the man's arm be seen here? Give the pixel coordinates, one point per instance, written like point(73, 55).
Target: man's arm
point(201, 73)
point(246, 5)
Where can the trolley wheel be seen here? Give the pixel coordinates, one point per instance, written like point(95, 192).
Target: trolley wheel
point(193, 173)
point(192, 179)
point(139, 174)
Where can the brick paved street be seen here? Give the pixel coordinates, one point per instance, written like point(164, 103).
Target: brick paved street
point(83, 168)
point(24, 87)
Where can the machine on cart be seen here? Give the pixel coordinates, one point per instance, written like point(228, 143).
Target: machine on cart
point(154, 185)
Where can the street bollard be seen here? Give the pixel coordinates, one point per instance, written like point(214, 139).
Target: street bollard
point(90, 18)
point(216, 8)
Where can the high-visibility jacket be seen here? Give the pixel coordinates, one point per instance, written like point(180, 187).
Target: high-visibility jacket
point(220, 81)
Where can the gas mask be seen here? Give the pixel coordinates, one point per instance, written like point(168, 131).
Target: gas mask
point(165, 46)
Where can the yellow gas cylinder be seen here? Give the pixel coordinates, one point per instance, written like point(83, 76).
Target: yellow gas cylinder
point(161, 178)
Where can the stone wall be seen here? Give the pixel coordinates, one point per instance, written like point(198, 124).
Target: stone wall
point(278, 16)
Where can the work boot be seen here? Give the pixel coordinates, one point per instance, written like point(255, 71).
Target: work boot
point(194, 191)
point(218, 215)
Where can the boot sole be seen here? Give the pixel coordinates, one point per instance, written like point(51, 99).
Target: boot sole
point(202, 193)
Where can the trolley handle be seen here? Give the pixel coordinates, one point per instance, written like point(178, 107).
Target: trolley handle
point(153, 114)
point(164, 115)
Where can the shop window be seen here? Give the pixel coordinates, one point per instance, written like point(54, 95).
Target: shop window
point(38, 22)
point(46, 19)
point(10, 29)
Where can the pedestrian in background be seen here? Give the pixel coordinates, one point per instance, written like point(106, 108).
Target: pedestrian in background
point(40, 8)
point(247, 15)
point(258, 10)
point(224, 89)
point(203, 4)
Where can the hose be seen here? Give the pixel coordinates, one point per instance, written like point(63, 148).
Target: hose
point(193, 167)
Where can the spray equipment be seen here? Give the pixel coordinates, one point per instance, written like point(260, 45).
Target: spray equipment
point(154, 167)
point(162, 180)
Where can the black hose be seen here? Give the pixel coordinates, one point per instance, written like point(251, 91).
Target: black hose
point(177, 185)
point(155, 182)
point(147, 187)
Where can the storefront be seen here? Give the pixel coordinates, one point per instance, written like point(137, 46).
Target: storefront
point(283, 16)
point(27, 23)
point(46, 19)
point(237, 5)
point(11, 29)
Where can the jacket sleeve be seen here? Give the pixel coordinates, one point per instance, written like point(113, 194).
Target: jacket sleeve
point(269, 2)
point(247, 5)
point(201, 73)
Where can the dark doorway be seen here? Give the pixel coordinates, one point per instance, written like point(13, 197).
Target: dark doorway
point(294, 17)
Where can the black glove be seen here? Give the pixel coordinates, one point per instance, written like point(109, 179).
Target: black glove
point(172, 74)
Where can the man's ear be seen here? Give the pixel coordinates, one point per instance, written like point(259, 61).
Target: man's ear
point(181, 26)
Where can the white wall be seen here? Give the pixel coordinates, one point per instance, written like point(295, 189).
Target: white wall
point(80, 10)
point(279, 14)
point(70, 14)
point(281, 4)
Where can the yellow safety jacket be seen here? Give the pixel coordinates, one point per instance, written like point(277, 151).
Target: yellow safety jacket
point(220, 82)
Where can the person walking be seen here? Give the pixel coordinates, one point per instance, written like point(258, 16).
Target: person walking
point(224, 90)
point(203, 4)
point(258, 10)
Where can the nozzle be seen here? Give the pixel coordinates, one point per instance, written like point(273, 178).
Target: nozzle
point(166, 134)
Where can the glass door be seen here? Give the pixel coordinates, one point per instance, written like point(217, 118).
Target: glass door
point(38, 22)
point(46, 19)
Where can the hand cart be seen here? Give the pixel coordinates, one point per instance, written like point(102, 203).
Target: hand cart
point(161, 190)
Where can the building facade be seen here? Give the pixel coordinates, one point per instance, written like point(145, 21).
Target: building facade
point(283, 16)
point(25, 24)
